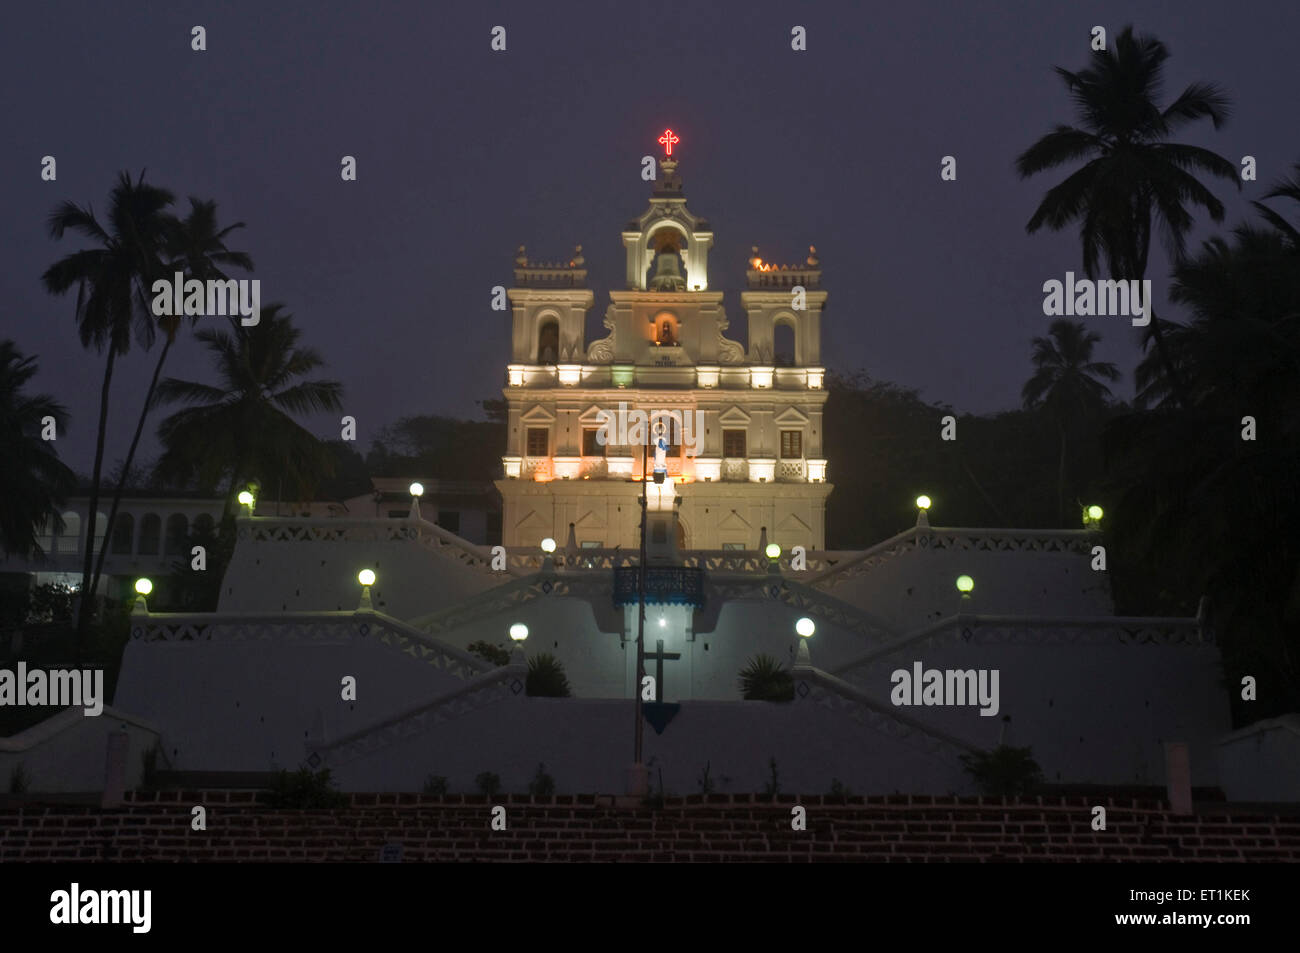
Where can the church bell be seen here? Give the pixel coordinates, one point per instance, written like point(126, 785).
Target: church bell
point(667, 276)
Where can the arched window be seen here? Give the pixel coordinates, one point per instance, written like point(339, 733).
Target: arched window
point(783, 350)
point(178, 528)
point(123, 534)
point(150, 530)
point(203, 524)
point(548, 342)
point(69, 541)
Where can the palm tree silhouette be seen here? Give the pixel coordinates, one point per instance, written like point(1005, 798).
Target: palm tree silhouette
point(196, 247)
point(33, 481)
point(113, 283)
point(1133, 178)
point(243, 427)
point(1068, 384)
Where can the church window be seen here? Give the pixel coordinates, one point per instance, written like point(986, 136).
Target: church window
point(591, 446)
point(548, 342)
point(791, 444)
point(538, 442)
point(783, 345)
point(733, 443)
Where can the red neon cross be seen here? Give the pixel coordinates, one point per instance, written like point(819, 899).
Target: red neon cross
point(667, 140)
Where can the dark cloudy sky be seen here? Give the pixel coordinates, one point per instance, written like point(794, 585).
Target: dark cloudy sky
point(464, 153)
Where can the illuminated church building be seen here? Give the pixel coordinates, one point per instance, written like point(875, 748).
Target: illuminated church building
point(744, 428)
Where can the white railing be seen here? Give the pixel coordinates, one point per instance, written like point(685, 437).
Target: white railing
point(263, 529)
point(921, 538)
point(1038, 630)
point(790, 470)
point(321, 628)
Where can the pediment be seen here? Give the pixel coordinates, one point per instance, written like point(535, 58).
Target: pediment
point(734, 522)
point(792, 417)
point(592, 415)
point(793, 528)
point(538, 414)
point(734, 415)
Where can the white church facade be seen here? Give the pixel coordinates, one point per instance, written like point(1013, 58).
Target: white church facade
point(744, 426)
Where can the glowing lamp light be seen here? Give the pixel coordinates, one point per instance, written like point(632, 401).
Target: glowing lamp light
point(773, 551)
point(245, 498)
point(965, 584)
point(922, 502)
point(417, 489)
point(366, 577)
point(519, 632)
point(805, 627)
point(144, 586)
point(663, 623)
point(1093, 514)
point(548, 545)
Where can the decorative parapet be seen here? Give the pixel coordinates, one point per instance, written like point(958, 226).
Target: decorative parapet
point(1041, 630)
point(664, 585)
point(322, 628)
point(550, 274)
point(264, 529)
point(1071, 541)
point(488, 688)
point(766, 276)
point(817, 687)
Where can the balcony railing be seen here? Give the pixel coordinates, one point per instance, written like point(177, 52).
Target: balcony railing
point(664, 585)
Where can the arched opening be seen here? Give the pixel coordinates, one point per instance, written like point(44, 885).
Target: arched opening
point(667, 271)
point(123, 534)
point(178, 528)
point(783, 350)
point(664, 332)
point(203, 526)
point(548, 341)
point(150, 530)
point(69, 541)
point(681, 535)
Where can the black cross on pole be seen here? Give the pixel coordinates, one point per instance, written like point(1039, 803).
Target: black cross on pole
point(659, 655)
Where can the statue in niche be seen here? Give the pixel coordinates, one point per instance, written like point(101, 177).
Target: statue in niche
point(666, 337)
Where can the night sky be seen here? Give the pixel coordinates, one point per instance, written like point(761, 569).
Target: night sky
point(463, 154)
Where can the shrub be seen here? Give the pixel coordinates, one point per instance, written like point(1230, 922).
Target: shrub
point(305, 790)
point(488, 783)
point(488, 652)
point(763, 679)
point(435, 785)
point(546, 678)
point(542, 784)
point(1004, 771)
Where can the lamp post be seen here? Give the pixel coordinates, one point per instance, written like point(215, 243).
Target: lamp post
point(518, 632)
point(367, 579)
point(417, 491)
point(638, 769)
point(143, 587)
point(804, 628)
point(922, 510)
